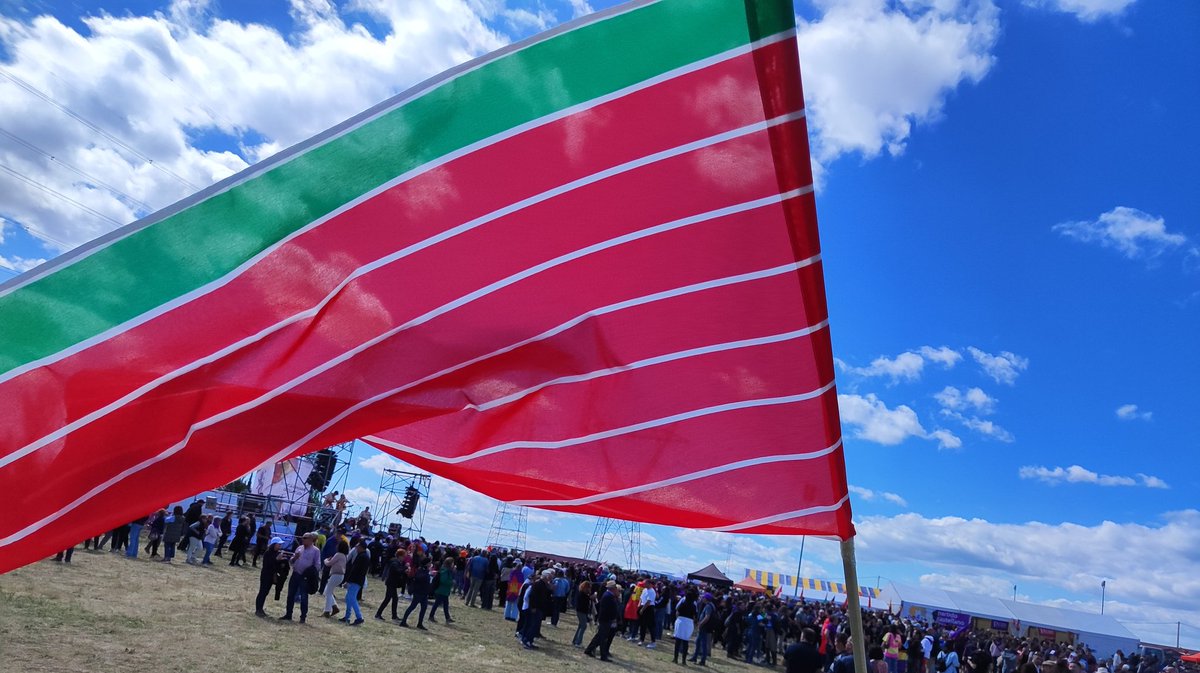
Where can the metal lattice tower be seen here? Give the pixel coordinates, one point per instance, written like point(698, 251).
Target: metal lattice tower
point(628, 533)
point(392, 487)
point(509, 527)
point(342, 454)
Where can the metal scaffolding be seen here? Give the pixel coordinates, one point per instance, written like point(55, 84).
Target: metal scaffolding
point(509, 526)
point(628, 533)
point(392, 487)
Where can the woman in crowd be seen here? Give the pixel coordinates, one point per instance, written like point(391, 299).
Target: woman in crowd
point(270, 569)
point(157, 521)
point(211, 536)
point(397, 572)
point(515, 579)
point(583, 611)
point(241, 540)
point(418, 586)
point(260, 541)
point(356, 576)
point(442, 589)
point(337, 573)
point(194, 536)
point(685, 623)
point(172, 531)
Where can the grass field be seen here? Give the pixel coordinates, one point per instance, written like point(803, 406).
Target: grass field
point(103, 612)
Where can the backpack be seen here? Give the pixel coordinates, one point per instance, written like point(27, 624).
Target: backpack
point(941, 662)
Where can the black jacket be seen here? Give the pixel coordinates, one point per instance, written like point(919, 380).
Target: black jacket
point(356, 570)
point(608, 610)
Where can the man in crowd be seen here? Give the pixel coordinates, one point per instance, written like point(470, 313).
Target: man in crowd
point(305, 561)
point(607, 613)
point(560, 588)
point(476, 569)
point(802, 657)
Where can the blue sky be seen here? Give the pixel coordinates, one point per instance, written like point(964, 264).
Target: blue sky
point(1009, 219)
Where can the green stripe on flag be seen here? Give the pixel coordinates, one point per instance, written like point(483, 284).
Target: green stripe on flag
point(208, 240)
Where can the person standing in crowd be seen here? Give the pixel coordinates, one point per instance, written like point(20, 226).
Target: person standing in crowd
point(303, 563)
point(583, 611)
point(327, 552)
point(441, 592)
point(608, 611)
point(645, 614)
point(157, 523)
point(211, 536)
point(193, 536)
point(172, 532)
point(891, 649)
point(515, 579)
point(226, 528)
point(397, 570)
point(843, 661)
point(135, 536)
point(65, 555)
point(241, 540)
point(802, 656)
point(418, 586)
point(541, 597)
point(356, 576)
point(490, 572)
point(559, 590)
point(685, 624)
point(706, 619)
point(336, 567)
point(476, 569)
point(260, 541)
point(266, 578)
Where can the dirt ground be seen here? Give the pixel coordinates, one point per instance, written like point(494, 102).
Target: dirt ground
point(103, 612)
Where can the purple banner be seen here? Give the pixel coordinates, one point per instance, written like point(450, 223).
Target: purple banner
point(957, 620)
point(999, 625)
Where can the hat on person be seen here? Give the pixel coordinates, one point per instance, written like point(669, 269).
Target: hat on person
point(275, 540)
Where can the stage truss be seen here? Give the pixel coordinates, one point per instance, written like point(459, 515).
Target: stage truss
point(627, 533)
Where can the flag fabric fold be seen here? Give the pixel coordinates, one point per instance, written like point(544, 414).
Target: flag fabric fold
point(581, 273)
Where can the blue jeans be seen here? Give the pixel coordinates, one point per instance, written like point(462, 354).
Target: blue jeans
point(135, 540)
point(208, 550)
point(533, 620)
point(352, 590)
point(444, 602)
point(584, 618)
point(703, 646)
point(169, 549)
point(297, 590)
point(892, 664)
point(417, 601)
point(510, 610)
point(660, 618)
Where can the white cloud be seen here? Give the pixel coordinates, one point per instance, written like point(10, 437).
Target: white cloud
point(1133, 233)
point(943, 355)
point(980, 425)
point(1129, 412)
point(875, 422)
point(1004, 367)
point(1087, 11)
point(974, 398)
point(378, 462)
point(874, 69)
point(870, 495)
point(1077, 474)
point(19, 264)
point(1068, 556)
point(361, 496)
point(580, 8)
point(906, 366)
point(158, 82)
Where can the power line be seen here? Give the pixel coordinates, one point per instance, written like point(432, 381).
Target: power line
point(79, 118)
point(86, 176)
point(34, 183)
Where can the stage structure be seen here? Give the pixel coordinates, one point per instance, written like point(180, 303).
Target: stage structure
point(400, 509)
point(509, 527)
point(629, 533)
point(339, 469)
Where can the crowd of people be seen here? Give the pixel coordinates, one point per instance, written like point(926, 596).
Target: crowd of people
point(417, 576)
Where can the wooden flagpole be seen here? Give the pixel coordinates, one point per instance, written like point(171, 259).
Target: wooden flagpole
point(853, 606)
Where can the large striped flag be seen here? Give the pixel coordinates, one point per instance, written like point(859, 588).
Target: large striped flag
point(580, 273)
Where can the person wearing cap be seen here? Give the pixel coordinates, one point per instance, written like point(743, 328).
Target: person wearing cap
point(271, 563)
point(706, 621)
point(305, 560)
point(608, 611)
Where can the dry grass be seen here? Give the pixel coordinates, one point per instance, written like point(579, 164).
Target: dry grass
point(103, 612)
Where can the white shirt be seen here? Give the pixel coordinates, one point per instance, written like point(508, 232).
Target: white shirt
point(648, 597)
